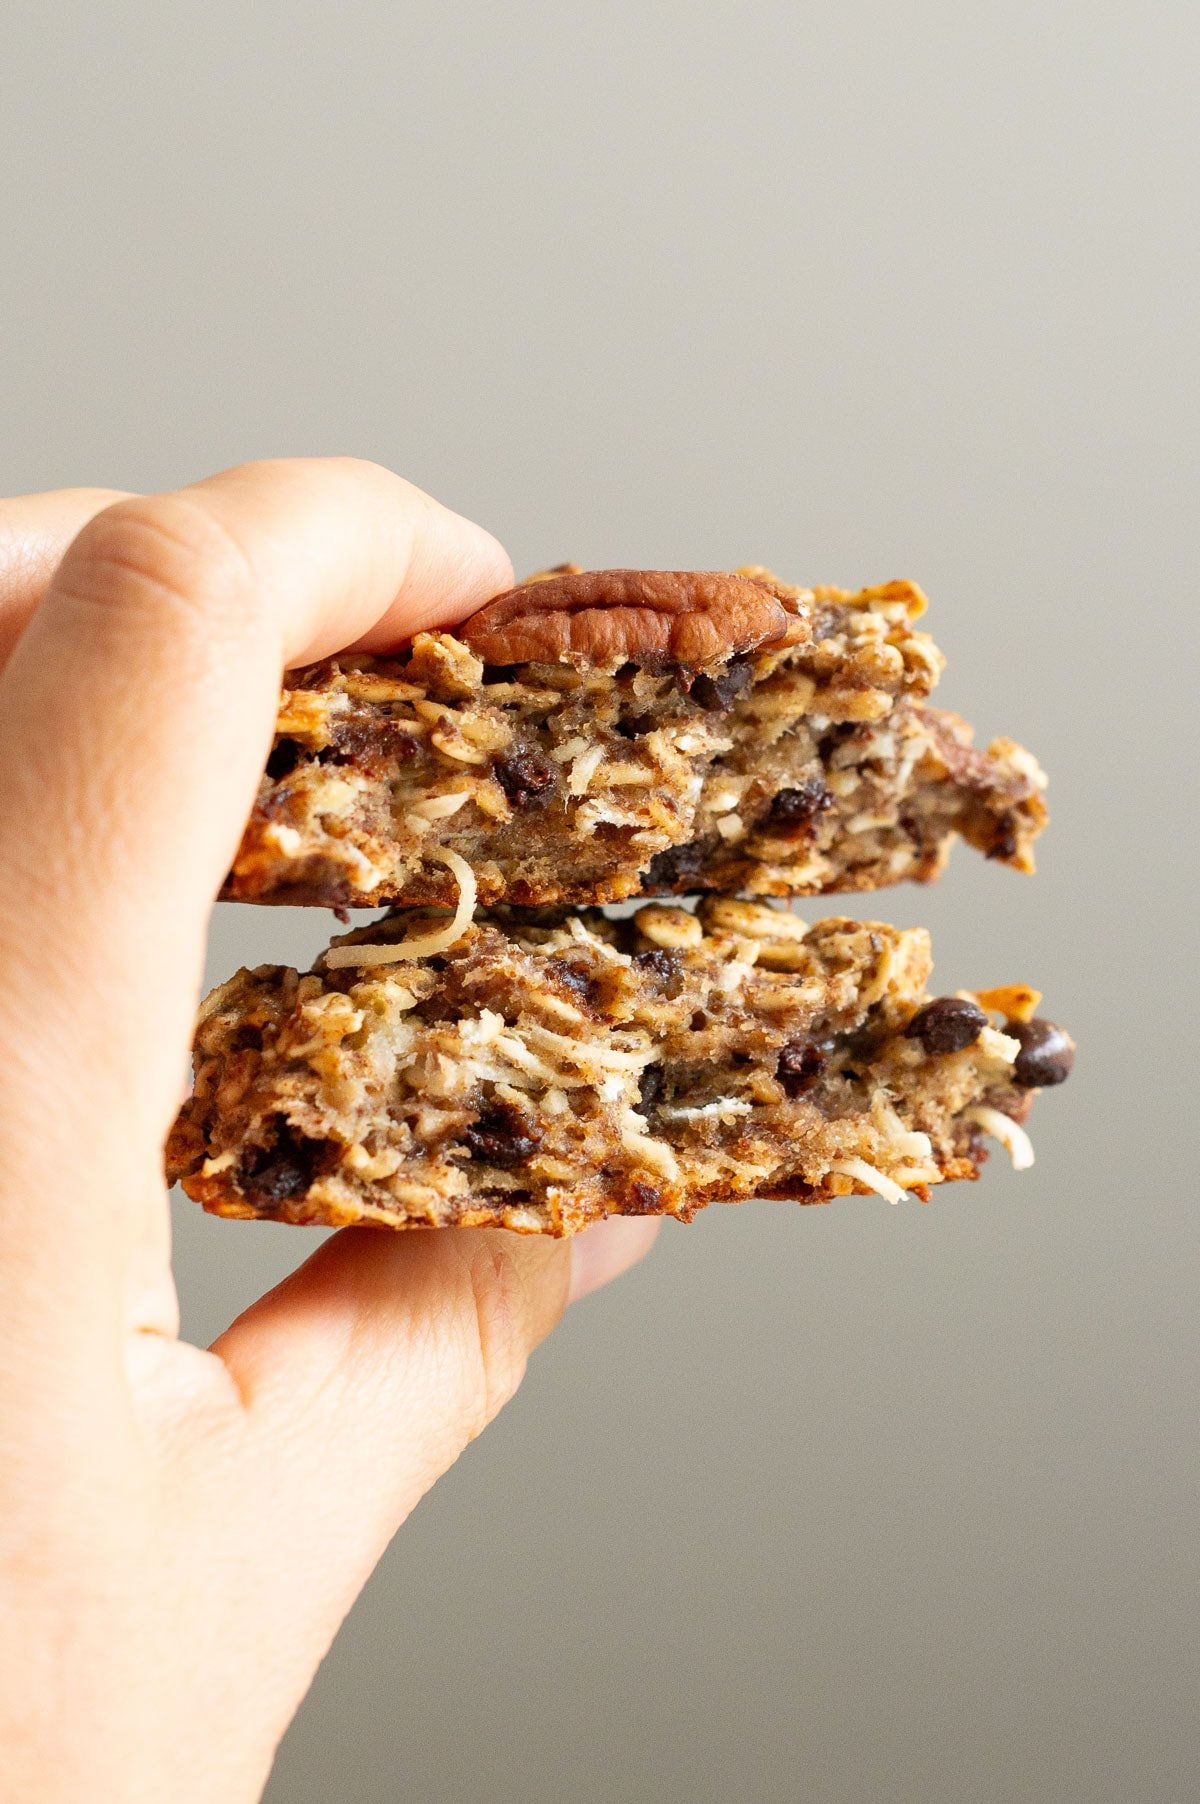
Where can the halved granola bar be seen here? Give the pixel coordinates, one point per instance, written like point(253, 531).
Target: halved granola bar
point(540, 1072)
point(595, 735)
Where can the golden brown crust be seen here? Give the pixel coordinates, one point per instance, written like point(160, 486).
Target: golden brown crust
point(602, 619)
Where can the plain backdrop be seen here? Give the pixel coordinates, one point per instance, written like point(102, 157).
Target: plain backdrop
point(849, 1504)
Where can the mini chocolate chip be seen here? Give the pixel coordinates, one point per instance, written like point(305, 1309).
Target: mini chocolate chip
point(800, 1065)
point(665, 965)
point(948, 1024)
point(718, 693)
point(285, 756)
point(502, 1135)
point(642, 1199)
point(1046, 1056)
point(675, 870)
point(369, 744)
point(524, 776)
point(577, 981)
point(798, 807)
point(273, 1174)
point(650, 1085)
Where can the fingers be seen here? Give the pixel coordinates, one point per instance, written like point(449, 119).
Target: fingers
point(35, 530)
point(368, 1371)
point(366, 1374)
point(135, 717)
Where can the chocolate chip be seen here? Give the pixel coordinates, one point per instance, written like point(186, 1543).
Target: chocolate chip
point(1046, 1056)
point(718, 693)
point(285, 756)
point(650, 1086)
point(800, 806)
point(800, 1065)
point(577, 981)
point(273, 1174)
point(665, 965)
point(502, 1135)
point(675, 870)
point(524, 776)
point(665, 969)
point(948, 1024)
point(370, 744)
point(642, 1199)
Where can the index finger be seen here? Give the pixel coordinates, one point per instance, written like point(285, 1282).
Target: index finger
point(35, 530)
point(135, 718)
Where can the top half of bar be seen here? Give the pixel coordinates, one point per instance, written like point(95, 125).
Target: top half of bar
point(595, 735)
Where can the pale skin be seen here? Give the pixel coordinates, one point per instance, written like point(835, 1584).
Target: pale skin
point(182, 1531)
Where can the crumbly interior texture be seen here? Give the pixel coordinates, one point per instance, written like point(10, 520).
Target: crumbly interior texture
point(547, 1069)
point(800, 771)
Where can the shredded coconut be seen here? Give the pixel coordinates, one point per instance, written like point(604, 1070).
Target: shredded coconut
point(423, 945)
point(584, 769)
point(438, 808)
point(886, 1187)
point(583, 1052)
point(518, 1054)
point(554, 1005)
point(585, 937)
point(918, 1174)
point(655, 1152)
point(710, 1111)
point(1009, 1133)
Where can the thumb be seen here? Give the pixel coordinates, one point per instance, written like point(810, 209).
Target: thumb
point(365, 1374)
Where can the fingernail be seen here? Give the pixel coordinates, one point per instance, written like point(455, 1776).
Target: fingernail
point(602, 1253)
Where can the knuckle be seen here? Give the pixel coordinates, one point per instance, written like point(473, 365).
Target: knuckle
point(155, 553)
point(366, 467)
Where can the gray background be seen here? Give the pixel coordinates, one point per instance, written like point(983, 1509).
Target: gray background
point(846, 1504)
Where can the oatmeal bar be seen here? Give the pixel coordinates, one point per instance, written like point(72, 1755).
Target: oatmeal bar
point(537, 1072)
point(596, 735)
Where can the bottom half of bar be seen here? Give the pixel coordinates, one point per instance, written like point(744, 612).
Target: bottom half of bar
point(541, 1072)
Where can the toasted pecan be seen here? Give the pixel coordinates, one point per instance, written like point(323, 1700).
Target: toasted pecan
point(600, 619)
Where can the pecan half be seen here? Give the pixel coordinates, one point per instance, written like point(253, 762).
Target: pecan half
point(600, 619)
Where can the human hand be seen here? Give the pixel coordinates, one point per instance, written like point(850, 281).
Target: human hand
point(181, 1531)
